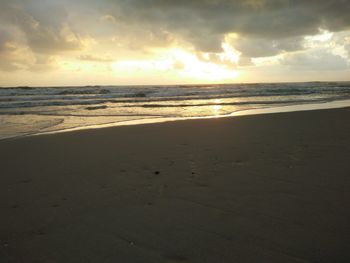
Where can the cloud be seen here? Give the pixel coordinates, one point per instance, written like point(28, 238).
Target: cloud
point(262, 47)
point(103, 59)
point(318, 60)
point(43, 25)
point(5, 38)
point(342, 41)
point(202, 23)
point(14, 57)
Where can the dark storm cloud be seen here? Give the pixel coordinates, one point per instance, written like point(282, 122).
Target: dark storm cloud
point(203, 23)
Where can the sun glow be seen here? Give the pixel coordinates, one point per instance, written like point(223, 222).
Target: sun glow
point(189, 65)
point(178, 63)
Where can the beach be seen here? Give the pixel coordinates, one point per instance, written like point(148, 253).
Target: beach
point(264, 188)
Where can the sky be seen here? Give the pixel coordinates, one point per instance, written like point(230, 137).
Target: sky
point(145, 42)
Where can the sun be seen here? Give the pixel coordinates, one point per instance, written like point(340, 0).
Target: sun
point(193, 67)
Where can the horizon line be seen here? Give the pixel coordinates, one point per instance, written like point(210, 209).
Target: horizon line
point(170, 85)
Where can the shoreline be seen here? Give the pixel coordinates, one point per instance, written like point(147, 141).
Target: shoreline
point(257, 111)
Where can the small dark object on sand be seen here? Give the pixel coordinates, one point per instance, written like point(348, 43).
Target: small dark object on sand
point(156, 172)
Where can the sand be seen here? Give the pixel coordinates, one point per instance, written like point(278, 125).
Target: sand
point(267, 188)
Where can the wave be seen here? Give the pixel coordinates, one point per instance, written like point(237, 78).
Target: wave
point(176, 101)
point(90, 105)
point(227, 103)
point(26, 102)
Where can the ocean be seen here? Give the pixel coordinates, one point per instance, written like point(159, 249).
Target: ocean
point(36, 110)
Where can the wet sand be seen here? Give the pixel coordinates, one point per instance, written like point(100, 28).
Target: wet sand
point(266, 188)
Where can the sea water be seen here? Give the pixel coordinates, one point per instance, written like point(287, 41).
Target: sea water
point(36, 110)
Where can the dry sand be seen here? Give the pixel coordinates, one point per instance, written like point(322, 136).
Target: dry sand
point(267, 188)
